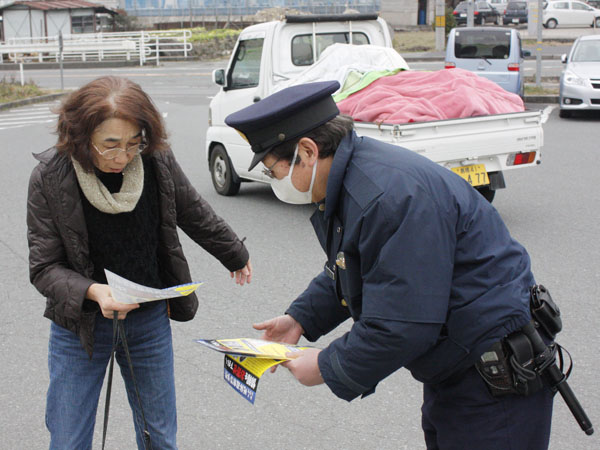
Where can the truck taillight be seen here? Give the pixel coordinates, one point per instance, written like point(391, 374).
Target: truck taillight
point(449, 65)
point(513, 67)
point(516, 159)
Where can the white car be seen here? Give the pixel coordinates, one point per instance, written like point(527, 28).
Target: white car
point(570, 14)
point(500, 5)
point(580, 81)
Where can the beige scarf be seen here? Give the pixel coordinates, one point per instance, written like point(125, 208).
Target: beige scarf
point(119, 202)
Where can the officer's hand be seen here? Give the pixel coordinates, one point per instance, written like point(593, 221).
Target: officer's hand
point(305, 367)
point(102, 294)
point(244, 275)
point(281, 329)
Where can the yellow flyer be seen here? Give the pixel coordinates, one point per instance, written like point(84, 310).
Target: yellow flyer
point(246, 360)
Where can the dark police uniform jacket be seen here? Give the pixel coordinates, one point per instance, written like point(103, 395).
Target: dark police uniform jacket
point(422, 263)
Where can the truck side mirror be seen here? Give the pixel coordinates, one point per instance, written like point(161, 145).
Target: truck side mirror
point(218, 77)
point(563, 58)
point(526, 53)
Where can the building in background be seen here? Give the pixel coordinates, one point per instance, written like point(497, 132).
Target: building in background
point(399, 13)
point(43, 18)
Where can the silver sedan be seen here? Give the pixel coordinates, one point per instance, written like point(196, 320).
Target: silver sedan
point(580, 81)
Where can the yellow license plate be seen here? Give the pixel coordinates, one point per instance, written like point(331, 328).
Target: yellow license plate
point(475, 174)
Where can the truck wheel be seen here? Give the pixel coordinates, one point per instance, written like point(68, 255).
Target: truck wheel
point(551, 23)
point(487, 193)
point(222, 174)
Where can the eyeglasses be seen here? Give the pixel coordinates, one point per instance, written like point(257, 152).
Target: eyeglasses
point(268, 171)
point(112, 153)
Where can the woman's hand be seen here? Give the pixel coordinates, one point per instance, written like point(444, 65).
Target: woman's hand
point(281, 329)
point(244, 275)
point(101, 294)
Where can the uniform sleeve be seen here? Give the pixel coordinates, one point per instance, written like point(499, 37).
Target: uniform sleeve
point(407, 250)
point(199, 221)
point(317, 309)
point(49, 271)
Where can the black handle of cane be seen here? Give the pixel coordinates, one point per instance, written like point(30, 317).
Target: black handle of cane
point(558, 381)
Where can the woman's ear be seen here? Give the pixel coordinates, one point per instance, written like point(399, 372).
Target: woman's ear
point(308, 150)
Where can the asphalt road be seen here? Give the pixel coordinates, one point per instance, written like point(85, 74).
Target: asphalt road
point(553, 209)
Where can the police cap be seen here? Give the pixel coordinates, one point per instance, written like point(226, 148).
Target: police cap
point(284, 115)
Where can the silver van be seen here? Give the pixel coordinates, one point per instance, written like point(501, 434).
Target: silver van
point(492, 52)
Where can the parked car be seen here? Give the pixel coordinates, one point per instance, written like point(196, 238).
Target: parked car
point(570, 13)
point(492, 52)
point(483, 12)
point(500, 5)
point(594, 3)
point(515, 13)
point(580, 81)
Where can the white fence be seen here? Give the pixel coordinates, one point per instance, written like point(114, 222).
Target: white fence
point(145, 46)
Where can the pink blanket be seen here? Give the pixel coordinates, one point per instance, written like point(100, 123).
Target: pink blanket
point(412, 96)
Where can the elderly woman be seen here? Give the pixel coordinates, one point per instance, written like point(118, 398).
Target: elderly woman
point(110, 195)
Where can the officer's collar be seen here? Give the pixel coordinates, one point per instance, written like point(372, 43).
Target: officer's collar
point(335, 178)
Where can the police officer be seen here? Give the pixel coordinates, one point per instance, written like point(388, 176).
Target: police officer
point(419, 260)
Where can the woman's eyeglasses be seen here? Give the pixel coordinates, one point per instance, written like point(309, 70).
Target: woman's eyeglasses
point(112, 153)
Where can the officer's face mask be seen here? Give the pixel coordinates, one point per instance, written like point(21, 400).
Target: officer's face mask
point(285, 190)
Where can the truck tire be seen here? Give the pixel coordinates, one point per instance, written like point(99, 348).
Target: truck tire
point(487, 193)
point(224, 178)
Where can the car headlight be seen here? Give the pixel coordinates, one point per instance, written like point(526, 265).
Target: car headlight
point(573, 79)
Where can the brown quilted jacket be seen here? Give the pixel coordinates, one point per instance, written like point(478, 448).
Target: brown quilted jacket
point(59, 263)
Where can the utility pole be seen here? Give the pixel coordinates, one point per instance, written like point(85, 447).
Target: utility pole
point(470, 13)
point(534, 29)
point(440, 25)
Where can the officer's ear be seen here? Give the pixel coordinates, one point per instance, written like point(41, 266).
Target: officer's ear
point(308, 150)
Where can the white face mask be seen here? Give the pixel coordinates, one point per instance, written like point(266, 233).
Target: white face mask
point(285, 190)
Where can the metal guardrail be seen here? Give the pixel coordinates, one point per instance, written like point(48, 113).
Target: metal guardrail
point(144, 46)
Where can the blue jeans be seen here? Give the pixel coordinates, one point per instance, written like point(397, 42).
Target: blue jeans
point(76, 380)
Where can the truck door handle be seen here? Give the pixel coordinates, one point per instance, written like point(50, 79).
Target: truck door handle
point(256, 99)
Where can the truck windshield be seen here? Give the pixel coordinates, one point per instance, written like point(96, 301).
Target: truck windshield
point(490, 44)
point(302, 48)
point(245, 68)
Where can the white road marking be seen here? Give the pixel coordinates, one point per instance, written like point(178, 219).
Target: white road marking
point(20, 117)
point(546, 112)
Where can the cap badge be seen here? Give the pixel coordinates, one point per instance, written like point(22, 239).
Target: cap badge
point(243, 136)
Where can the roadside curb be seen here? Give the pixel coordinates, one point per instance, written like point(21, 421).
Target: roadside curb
point(32, 100)
point(541, 99)
point(69, 65)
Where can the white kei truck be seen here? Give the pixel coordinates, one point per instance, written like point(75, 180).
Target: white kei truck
point(269, 55)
